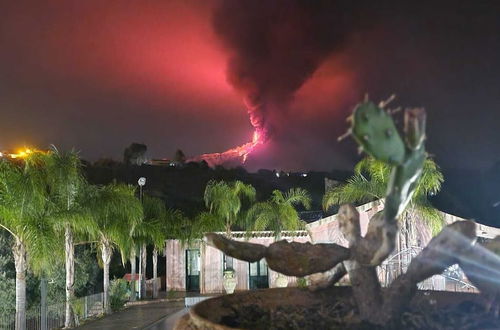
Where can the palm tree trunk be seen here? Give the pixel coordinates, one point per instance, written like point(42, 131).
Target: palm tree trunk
point(132, 274)
point(70, 276)
point(407, 240)
point(106, 254)
point(155, 272)
point(143, 279)
point(19, 252)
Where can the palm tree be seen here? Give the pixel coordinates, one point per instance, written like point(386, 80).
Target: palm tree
point(160, 224)
point(369, 183)
point(279, 213)
point(65, 183)
point(116, 212)
point(133, 266)
point(149, 231)
point(186, 229)
point(224, 201)
point(24, 214)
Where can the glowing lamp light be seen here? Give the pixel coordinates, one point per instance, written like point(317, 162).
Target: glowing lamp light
point(22, 153)
point(141, 182)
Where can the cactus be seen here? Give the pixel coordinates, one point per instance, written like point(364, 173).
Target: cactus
point(373, 128)
point(404, 176)
point(375, 132)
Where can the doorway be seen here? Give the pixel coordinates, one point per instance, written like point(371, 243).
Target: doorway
point(193, 270)
point(258, 275)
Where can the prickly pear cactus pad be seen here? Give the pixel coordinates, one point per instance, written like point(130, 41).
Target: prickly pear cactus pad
point(374, 130)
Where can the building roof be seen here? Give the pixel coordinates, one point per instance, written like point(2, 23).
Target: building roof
point(268, 234)
point(311, 216)
point(481, 230)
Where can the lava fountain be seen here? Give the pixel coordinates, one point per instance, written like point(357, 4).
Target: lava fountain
point(238, 153)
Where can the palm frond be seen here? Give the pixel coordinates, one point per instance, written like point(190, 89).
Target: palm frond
point(373, 169)
point(433, 217)
point(244, 190)
point(209, 222)
point(369, 183)
point(298, 196)
point(25, 210)
point(261, 215)
point(356, 190)
point(42, 244)
point(278, 213)
point(117, 212)
point(225, 199)
point(430, 180)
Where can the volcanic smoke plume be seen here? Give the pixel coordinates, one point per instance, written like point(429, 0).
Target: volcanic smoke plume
point(273, 48)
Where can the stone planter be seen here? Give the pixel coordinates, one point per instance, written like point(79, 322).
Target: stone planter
point(229, 281)
point(225, 312)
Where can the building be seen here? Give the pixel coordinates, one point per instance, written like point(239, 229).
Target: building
point(198, 267)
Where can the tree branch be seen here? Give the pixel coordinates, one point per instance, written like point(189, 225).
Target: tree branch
point(442, 251)
point(292, 259)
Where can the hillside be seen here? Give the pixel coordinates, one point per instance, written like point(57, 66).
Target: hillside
point(466, 193)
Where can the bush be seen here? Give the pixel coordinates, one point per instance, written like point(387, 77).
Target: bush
point(301, 282)
point(118, 294)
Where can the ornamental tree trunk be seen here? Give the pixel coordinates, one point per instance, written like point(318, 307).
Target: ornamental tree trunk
point(132, 274)
point(106, 253)
point(69, 250)
point(19, 252)
point(155, 272)
point(143, 279)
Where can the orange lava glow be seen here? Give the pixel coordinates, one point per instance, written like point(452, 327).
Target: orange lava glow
point(238, 153)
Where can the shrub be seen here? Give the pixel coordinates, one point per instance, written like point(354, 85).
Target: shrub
point(119, 294)
point(301, 282)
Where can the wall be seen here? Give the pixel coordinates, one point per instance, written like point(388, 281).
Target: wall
point(211, 280)
point(175, 265)
point(211, 263)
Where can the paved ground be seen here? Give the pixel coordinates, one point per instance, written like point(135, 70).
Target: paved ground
point(167, 323)
point(136, 317)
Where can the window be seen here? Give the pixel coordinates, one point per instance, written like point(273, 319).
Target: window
point(227, 262)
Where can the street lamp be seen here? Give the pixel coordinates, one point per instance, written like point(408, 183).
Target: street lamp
point(141, 182)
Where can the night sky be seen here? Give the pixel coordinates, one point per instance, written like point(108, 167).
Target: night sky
point(98, 75)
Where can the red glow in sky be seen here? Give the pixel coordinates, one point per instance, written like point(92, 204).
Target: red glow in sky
point(159, 50)
point(161, 55)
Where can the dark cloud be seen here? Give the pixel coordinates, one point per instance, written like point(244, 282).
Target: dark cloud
point(275, 47)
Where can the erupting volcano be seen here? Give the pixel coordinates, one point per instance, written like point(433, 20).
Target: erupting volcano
point(239, 153)
point(273, 49)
